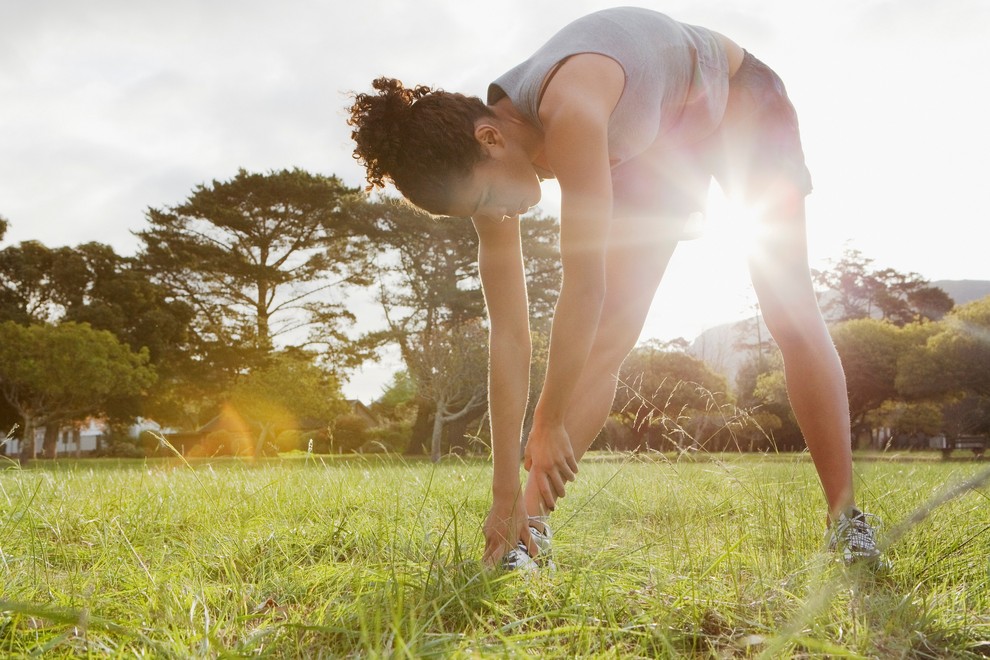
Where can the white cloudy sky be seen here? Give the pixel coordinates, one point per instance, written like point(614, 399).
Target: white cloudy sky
point(108, 107)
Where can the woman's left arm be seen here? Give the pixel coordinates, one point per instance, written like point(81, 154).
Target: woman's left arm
point(574, 111)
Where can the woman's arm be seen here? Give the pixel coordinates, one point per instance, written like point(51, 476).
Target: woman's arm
point(503, 280)
point(575, 111)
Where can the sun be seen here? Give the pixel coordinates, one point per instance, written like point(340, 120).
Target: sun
point(731, 223)
point(707, 282)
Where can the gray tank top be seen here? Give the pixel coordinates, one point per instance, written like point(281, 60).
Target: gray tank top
point(676, 77)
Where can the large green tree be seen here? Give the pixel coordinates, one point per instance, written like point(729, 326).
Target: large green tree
point(261, 257)
point(869, 350)
point(37, 283)
point(117, 296)
point(64, 372)
point(956, 359)
point(92, 284)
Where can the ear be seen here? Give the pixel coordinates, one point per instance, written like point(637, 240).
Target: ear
point(488, 135)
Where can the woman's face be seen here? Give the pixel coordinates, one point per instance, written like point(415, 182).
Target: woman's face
point(502, 185)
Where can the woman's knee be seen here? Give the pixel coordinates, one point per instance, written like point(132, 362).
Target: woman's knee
point(795, 327)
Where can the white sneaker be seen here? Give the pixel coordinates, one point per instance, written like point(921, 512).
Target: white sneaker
point(518, 559)
point(853, 537)
point(543, 540)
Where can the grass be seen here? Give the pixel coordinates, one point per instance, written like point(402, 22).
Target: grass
point(657, 557)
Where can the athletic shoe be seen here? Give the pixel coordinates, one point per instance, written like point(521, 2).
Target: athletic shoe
point(853, 537)
point(543, 542)
point(518, 559)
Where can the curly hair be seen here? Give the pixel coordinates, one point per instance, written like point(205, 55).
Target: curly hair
point(420, 139)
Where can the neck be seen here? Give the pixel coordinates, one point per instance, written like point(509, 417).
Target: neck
point(516, 128)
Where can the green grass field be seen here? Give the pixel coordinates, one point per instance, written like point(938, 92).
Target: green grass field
point(657, 557)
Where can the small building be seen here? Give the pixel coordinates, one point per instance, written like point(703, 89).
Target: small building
point(81, 438)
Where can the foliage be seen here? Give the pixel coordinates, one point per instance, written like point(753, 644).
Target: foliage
point(869, 350)
point(52, 374)
point(955, 359)
point(450, 367)
point(392, 436)
point(398, 397)
point(37, 283)
point(259, 257)
point(350, 433)
point(857, 290)
point(762, 392)
point(426, 273)
point(669, 399)
point(910, 424)
point(288, 392)
point(92, 284)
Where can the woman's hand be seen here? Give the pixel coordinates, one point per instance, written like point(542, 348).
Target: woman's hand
point(507, 524)
point(550, 462)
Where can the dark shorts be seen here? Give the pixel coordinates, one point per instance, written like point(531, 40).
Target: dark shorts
point(756, 147)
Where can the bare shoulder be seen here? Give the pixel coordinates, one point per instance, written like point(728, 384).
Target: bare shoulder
point(584, 83)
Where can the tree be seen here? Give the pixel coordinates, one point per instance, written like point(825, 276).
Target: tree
point(37, 282)
point(58, 373)
point(955, 358)
point(450, 369)
point(427, 276)
point(289, 392)
point(260, 257)
point(4, 226)
point(92, 284)
point(869, 350)
point(762, 392)
point(670, 396)
point(397, 396)
point(855, 290)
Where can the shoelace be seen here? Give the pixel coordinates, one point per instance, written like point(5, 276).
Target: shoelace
point(856, 533)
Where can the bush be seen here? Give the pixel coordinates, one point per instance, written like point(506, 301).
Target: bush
point(350, 432)
point(291, 441)
point(224, 443)
point(392, 437)
point(120, 449)
point(303, 441)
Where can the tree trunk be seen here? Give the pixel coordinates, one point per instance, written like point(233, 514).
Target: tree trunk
point(457, 435)
point(77, 438)
point(28, 450)
point(266, 431)
point(437, 439)
point(421, 429)
point(49, 445)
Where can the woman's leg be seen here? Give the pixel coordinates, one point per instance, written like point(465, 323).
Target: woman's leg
point(638, 253)
point(764, 167)
point(816, 384)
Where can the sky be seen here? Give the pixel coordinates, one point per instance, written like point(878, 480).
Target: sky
point(109, 107)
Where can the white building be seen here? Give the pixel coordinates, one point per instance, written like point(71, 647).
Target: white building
point(81, 439)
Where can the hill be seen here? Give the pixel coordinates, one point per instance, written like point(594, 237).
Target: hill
point(717, 345)
point(964, 291)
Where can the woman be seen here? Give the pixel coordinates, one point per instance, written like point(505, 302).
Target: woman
point(633, 113)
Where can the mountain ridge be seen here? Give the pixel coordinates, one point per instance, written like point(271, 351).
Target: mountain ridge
point(716, 345)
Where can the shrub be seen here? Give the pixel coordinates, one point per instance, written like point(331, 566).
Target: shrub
point(350, 432)
point(393, 436)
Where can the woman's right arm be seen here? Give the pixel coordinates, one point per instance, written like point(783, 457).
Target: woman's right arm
point(503, 280)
